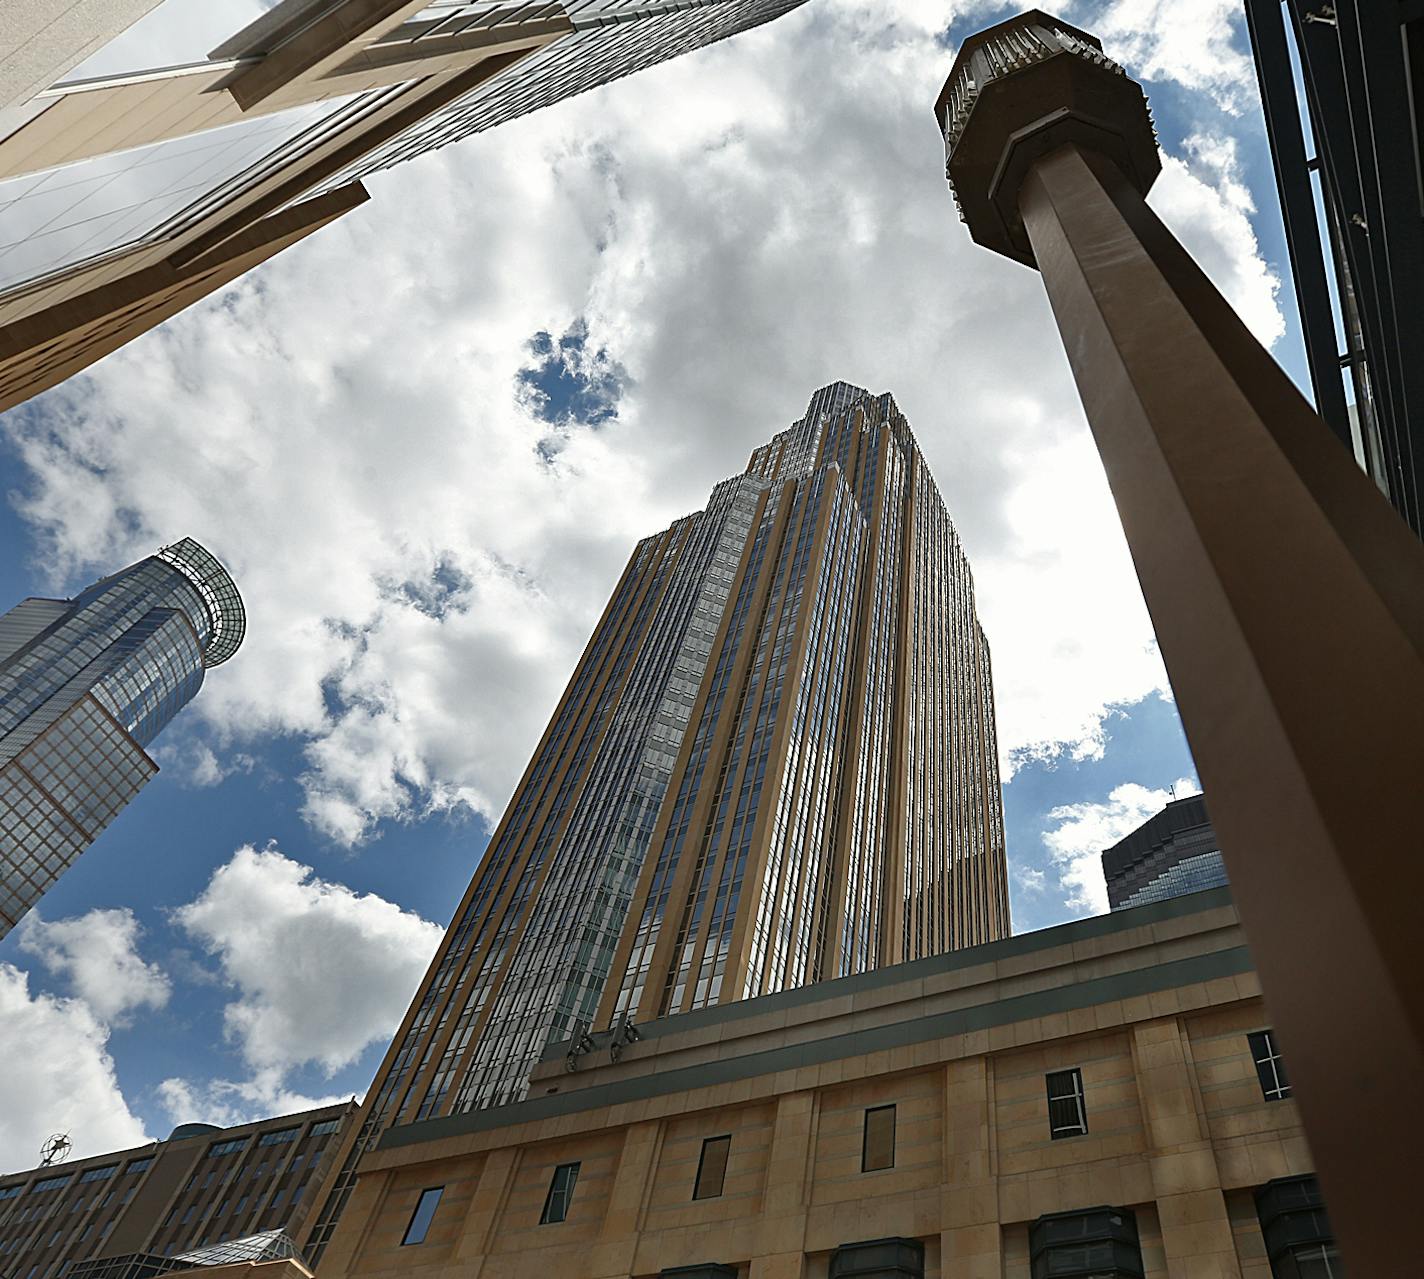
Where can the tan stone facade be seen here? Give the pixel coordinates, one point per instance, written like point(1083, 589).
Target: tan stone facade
point(1153, 1006)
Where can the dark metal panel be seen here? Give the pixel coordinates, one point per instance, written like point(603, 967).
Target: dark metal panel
point(1307, 259)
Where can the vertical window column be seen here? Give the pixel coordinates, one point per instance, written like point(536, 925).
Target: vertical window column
point(712, 1167)
point(1270, 1069)
point(423, 1215)
point(877, 1148)
point(1067, 1105)
point(561, 1194)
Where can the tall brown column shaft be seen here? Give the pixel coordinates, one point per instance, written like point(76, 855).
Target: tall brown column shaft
point(1288, 600)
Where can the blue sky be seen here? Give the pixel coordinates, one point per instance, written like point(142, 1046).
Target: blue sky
point(426, 507)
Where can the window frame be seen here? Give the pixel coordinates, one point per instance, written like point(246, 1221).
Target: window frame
point(408, 1239)
point(1078, 1095)
point(699, 1191)
point(865, 1138)
point(566, 1193)
point(1270, 1064)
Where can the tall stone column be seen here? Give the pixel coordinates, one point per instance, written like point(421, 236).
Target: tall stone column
point(1287, 596)
point(1186, 1184)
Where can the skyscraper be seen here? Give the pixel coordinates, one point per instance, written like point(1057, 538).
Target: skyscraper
point(85, 685)
point(126, 197)
point(1356, 201)
point(775, 763)
point(1173, 853)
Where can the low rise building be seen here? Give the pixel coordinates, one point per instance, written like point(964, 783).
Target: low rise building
point(1102, 1098)
point(136, 1213)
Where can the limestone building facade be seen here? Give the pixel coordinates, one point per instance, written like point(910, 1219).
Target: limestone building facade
point(1103, 1098)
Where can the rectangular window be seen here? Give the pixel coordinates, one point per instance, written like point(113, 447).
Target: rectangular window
point(1067, 1111)
point(561, 1194)
point(877, 1147)
point(424, 1213)
point(1270, 1069)
point(712, 1167)
point(279, 1138)
point(326, 1126)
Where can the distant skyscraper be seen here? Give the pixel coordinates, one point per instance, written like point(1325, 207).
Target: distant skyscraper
point(125, 198)
point(775, 763)
point(85, 685)
point(1173, 853)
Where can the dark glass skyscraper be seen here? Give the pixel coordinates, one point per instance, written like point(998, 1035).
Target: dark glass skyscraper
point(1173, 853)
point(775, 763)
point(1352, 195)
point(85, 685)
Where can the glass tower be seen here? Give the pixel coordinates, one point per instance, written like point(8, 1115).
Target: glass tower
point(85, 685)
point(126, 196)
point(1174, 853)
point(775, 763)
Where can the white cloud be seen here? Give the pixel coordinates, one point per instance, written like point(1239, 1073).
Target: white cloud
point(320, 972)
point(737, 227)
point(58, 1077)
point(1199, 44)
point(1076, 843)
point(1030, 878)
point(1204, 198)
point(97, 953)
point(228, 1103)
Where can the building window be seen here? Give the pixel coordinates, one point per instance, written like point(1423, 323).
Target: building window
point(712, 1167)
point(424, 1213)
point(1299, 1240)
point(561, 1194)
point(1067, 1112)
point(877, 1147)
point(1097, 1243)
point(1269, 1067)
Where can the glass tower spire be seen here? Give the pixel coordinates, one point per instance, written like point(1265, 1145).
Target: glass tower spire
point(85, 685)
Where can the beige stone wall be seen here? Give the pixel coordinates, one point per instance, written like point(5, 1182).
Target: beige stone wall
point(1178, 1131)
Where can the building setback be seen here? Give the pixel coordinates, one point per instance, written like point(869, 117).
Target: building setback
point(774, 764)
point(135, 1209)
point(1104, 1098)
point(85, 685)
point(1172, 853)
point(127, 197)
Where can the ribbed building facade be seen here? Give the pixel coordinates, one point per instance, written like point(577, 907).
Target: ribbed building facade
point(775, 763)
point(135, 1214)
point(85, 685)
